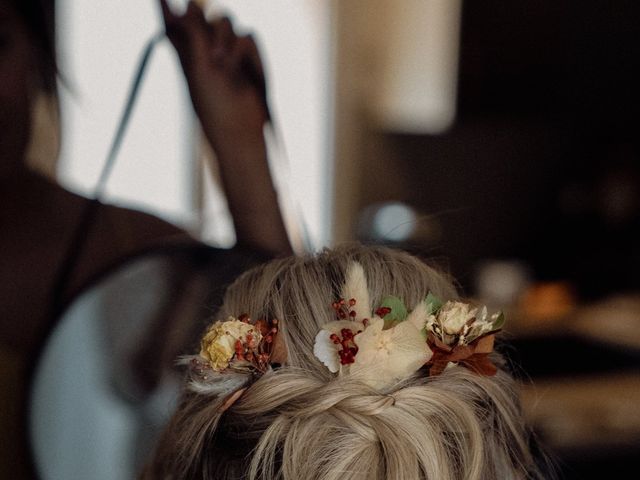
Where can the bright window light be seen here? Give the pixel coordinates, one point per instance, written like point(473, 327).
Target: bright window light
point(100, 45)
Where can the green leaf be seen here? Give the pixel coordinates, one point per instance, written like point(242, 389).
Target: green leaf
point(497, 322)
point(433, 303)
point(398, 311)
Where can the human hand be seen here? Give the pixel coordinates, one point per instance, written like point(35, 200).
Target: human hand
point(224, 73)
point(227, 87)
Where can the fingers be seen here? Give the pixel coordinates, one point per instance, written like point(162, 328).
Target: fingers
point(195, 14)
point(167, 13)
point(236, 54)
point(222, 39)
point(182, 28)
point(244, 61)
point(223, 32)
point(191, 28)
point(246, 67)
point(203, 44)
point(253, 54)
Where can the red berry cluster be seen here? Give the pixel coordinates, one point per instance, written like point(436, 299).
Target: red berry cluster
point(344, 310)
point(251, 351)
point(244, 349)
point(349, 348)
point(269, 330)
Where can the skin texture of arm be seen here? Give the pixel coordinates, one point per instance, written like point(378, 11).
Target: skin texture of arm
point(224, 75)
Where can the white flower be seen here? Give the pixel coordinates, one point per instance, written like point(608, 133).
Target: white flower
point(362, 348)
point(419, 316)
point(326, 350)
point(453, 316)
point(387, 356)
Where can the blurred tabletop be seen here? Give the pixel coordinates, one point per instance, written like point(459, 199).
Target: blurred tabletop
point(580, 372)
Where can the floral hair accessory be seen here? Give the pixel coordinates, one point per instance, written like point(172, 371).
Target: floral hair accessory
point(389, 344)
point(232, 353)
point(459, 333)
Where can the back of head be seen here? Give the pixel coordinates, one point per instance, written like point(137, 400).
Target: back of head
point(301, 420)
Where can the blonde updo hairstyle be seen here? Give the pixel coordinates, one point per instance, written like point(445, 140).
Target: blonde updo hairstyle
point(300, 421)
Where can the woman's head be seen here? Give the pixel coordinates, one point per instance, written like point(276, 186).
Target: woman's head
point(27, 67)
point(300, 420)
point(38, 19)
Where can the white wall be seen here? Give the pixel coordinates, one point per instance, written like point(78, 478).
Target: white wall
point(100, 44)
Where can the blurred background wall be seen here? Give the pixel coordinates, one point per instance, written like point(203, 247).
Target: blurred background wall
point(527, 188)
point(541, 161)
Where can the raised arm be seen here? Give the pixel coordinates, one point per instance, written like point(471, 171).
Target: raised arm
point(226, 83)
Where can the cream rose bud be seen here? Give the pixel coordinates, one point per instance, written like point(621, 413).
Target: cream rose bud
point(454, 315)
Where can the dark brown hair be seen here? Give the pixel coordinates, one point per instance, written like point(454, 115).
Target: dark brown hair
point(39, 18)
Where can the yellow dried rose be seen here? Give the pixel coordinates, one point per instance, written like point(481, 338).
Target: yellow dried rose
point(219, 343)
point(218, 355)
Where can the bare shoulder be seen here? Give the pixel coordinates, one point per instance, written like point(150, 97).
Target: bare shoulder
point(130, 226)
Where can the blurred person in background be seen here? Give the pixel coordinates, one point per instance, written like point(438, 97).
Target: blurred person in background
point(38, 218)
